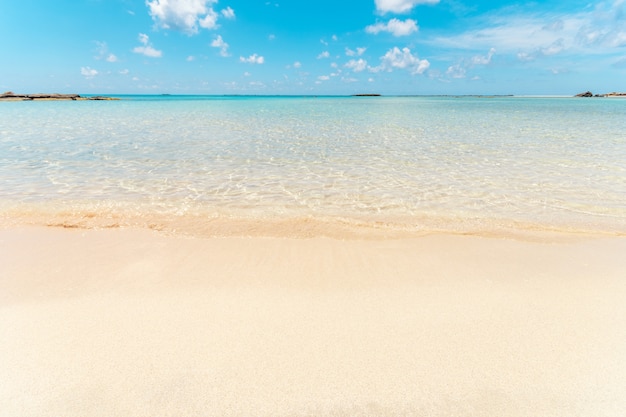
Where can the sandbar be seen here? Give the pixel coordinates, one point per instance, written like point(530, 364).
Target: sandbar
point(126, 322)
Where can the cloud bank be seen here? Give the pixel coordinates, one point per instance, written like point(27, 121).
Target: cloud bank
point(252, 59)
point(395, 26)
point(400, 6)
point(218, 42)
point(186, 15)
point(402, 59)
point(147, 49)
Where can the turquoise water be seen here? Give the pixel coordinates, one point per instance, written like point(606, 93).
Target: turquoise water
point(409, 164)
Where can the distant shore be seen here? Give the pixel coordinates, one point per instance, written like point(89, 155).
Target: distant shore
point(590, 94)
point(10, 96)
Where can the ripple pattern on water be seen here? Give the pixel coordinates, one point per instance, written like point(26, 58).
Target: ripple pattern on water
point(549, 162)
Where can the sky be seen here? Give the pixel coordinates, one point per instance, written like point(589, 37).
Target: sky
point(294, 47)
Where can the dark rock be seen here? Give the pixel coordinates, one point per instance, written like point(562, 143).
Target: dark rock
point(585, 94)
point(53, 96)
point(102, 98)
point(12, 95)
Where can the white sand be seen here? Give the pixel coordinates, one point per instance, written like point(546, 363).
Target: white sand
point(136, 323)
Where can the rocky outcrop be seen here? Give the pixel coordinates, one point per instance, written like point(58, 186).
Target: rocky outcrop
point(590, 94)
point(11, 96)
point(97, 98)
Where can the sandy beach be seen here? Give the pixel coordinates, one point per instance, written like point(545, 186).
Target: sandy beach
point(140, 323)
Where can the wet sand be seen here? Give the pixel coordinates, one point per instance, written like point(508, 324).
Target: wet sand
point(140, 323)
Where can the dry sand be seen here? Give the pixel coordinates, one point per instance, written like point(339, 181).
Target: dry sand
point(137, 323)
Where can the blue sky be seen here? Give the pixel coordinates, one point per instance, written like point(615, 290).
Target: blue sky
point(312, 47)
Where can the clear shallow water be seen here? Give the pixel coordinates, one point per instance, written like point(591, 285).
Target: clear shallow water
point(298, 165)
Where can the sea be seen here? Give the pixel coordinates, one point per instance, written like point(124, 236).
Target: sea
point(317, 166)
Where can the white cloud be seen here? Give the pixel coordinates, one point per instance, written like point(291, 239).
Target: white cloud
point(218, 42)
point(402, 59)
point(619, 40)
point(186, 15)
point(554, 48)
point(456, 71)
point(400, 6)
point(124, 72)
point(483, 60)
point(358, 52)
point(252, 59)
point(297, 64)
point(356, 65)
point(323, 78)
point(555, 25)
point(459, 70)
point(395, 26)
point(88, 72)
point(508, 34)
point(209, 21)
point(595, 30)
point(191, 58)
point(557, 71)
point(103, 53)
point(589, 36)
point(147, 49)
point(228, 13)
point(271, 37)
point(324, 42)
point(324, 54)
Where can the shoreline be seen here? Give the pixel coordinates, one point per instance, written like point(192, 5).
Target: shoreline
point(136, 322)
point(224, 225)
